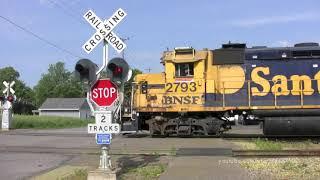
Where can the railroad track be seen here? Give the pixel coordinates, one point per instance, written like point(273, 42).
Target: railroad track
point(275, 153)
point(167, 152)
point(227, 136)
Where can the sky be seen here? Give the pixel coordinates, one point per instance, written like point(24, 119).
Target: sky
point(150, 27)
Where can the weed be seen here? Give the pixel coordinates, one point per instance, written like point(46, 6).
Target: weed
point(173, 151)
point(265, 144)
point(148, 172)
point(78, 174)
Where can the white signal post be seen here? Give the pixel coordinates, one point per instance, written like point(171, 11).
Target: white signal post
point(104, 113)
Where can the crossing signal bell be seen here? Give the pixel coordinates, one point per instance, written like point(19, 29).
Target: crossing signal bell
point(118, 70)
point(86, 70)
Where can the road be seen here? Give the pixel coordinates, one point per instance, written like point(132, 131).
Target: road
point(26, 153)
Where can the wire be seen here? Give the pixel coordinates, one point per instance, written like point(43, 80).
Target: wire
point(55, 3)
point(39, 37)
point(69, 7)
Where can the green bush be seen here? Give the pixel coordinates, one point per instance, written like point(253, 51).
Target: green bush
point(47, 122)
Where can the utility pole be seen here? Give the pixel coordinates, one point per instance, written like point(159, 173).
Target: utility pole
point(124, 40)
point(148, 69)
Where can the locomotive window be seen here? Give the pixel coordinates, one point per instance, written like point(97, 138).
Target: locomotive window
point(184, 69)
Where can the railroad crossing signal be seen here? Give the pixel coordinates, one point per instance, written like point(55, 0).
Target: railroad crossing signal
point(104, 30)
point(104, 93)
point(7, 106)
point(8, 87)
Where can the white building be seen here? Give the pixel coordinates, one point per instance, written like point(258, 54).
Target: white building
point(66, 107)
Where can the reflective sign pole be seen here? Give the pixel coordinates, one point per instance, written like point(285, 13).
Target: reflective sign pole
point(105, 56)
point(105, 160)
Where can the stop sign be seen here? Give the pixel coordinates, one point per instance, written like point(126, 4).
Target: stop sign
point(104, 92)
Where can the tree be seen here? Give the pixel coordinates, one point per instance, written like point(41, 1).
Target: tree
point(57, 83)
point(25, 96)
point(8, 74)
point(128, 87)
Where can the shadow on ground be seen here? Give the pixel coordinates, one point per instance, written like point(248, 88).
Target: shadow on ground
point(126, 163)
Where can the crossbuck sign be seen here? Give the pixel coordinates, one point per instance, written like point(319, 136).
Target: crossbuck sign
point(8, 87)
point(104, 30)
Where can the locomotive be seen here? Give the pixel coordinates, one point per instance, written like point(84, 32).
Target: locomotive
point(201, 92)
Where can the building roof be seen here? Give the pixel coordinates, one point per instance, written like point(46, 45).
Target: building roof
point(63, 104)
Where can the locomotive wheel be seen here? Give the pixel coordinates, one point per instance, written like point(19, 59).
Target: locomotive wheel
point(186, 127)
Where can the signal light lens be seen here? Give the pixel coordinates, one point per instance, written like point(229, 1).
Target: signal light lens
point(118, 70)
point(2, 98)
point(10, 98)
point(144, 88)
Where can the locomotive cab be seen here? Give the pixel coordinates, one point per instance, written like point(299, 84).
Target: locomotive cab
point(173, 102)
point(181, 84)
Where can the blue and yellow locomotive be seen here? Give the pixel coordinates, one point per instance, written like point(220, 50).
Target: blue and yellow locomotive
point(201, 92)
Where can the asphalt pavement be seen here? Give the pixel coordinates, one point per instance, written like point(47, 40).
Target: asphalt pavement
point(28, 153)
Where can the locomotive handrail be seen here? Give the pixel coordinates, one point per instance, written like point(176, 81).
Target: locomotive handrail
point(301, 93)
point(223, 96)
point(247, 85)
point(276, 94)
point(131, 101)
point(249, 93)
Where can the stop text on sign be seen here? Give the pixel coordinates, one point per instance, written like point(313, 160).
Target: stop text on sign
point(104, 93)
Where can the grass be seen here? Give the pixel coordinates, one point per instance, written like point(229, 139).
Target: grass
point(284, 168)
point(46, 122)
point(78, 174)
point(173, 151)
point(148, 172)
point(273, 145)
point(265, 144)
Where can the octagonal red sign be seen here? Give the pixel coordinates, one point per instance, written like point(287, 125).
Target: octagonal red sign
point(104, 92)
